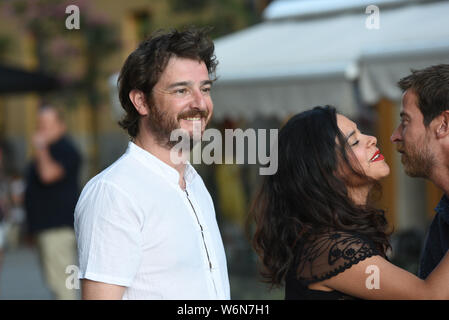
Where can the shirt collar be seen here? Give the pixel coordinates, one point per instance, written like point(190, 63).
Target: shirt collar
point(442, 208)
point(160, 167)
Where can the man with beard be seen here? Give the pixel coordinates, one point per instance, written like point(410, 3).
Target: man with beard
point(146, 226)
point(422, 138)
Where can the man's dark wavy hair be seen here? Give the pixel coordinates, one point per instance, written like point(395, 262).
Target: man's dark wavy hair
point(305, 197)
point(144, 66)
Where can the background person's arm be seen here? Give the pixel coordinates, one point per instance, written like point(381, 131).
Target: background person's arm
point(49, 170)
point(94, 290)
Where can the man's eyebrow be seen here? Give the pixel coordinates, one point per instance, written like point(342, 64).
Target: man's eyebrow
point(211, 82)
point(188, 83)
point(179, 84)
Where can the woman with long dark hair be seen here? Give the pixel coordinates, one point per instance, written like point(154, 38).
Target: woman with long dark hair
point(316, 230)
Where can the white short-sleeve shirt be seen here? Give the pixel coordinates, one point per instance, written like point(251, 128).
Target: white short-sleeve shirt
point(137, 228)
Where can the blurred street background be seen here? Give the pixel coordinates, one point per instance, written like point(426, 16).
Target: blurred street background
point(276, 58)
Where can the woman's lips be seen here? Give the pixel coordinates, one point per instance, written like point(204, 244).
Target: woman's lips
point(377, 157)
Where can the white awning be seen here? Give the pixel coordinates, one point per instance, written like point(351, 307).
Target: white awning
point(379, 72)
point(284, 66)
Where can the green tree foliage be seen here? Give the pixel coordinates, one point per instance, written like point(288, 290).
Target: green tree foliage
point(224, 16)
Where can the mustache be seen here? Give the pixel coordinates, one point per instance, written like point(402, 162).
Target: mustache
point(193, 114)
point(400, 148)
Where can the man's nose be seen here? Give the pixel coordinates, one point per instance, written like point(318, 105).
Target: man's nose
point(199, 100)
point(395, 137)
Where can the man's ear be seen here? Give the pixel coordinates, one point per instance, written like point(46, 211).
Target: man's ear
point(442, 124)
point(137, 97)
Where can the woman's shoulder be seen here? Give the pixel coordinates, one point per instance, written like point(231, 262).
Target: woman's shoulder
point(330, 253)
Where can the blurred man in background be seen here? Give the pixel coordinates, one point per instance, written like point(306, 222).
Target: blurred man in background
point(50, 198)
point(422, 138)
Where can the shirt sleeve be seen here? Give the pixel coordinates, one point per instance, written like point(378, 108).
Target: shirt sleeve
point(331, 254)
point(108, 230)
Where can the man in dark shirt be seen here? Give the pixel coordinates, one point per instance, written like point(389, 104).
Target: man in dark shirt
point(422, 138)
point(437, 241)
point(50, 198)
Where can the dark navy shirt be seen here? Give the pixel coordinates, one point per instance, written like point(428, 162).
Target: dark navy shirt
point(52, 205)
point(437, 239)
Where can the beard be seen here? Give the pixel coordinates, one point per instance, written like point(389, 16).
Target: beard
point(162, 124)
point(418, 162)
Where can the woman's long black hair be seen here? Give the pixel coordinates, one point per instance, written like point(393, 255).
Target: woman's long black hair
point(305, 196)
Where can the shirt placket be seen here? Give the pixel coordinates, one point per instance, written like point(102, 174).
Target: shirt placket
point(203, 237)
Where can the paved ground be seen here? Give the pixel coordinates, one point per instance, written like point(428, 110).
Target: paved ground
point(21, 279)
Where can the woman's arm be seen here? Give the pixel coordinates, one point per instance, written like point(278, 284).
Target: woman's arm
point(394, 282)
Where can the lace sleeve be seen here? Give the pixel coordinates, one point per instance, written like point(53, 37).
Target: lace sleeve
point(331, 254)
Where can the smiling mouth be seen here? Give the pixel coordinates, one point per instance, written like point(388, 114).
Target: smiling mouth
point(377, 157)
point(193, 115)
point(192, 119)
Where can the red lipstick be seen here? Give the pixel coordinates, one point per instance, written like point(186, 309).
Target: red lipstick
point(377, 156)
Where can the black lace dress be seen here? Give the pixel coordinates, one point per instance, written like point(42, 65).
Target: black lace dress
point(323, 258)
